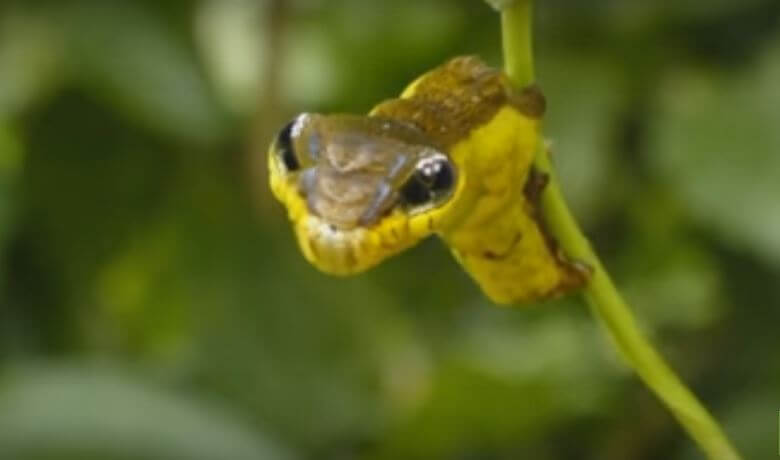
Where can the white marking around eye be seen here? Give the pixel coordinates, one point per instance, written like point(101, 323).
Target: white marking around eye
point(431, 159)
point(299, 124)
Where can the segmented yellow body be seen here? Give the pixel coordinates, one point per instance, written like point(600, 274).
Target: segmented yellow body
point(490, 221)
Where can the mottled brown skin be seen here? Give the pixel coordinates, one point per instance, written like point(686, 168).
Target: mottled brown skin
point(453, 99)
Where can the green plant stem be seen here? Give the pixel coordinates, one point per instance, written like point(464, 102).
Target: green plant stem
point(518, 52)
point(601, 294)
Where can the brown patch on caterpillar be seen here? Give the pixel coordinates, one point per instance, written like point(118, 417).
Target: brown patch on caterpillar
point(530, 101)
point(451, 100)
point(491, 255)
point(575, 274)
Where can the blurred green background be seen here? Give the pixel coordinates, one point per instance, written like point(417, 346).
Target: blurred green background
point(153, 304)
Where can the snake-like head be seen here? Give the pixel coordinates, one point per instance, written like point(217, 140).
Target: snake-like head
point(358, 189)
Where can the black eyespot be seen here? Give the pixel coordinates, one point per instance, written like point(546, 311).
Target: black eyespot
point(432, 180)
point(444, 178)
point(284, 148)
point(415, 191)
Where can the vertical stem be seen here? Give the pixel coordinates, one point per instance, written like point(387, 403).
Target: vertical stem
point(518, 52)
point(601, 294)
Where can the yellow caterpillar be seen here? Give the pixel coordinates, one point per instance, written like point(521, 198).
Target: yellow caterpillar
point(452, 157)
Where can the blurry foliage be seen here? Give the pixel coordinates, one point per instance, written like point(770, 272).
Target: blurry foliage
point(153, 303)
point(82, 413)
point(732, 152)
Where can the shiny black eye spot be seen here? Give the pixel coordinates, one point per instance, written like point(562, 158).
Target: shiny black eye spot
point(437, 173)
point(444, 178)
point(284, 148)
point(432, 180)
point(415, 191)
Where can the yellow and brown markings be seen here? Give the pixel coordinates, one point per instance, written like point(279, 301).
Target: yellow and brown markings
point(452, 156)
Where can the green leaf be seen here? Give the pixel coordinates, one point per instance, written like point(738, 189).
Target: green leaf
point(67, 411)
